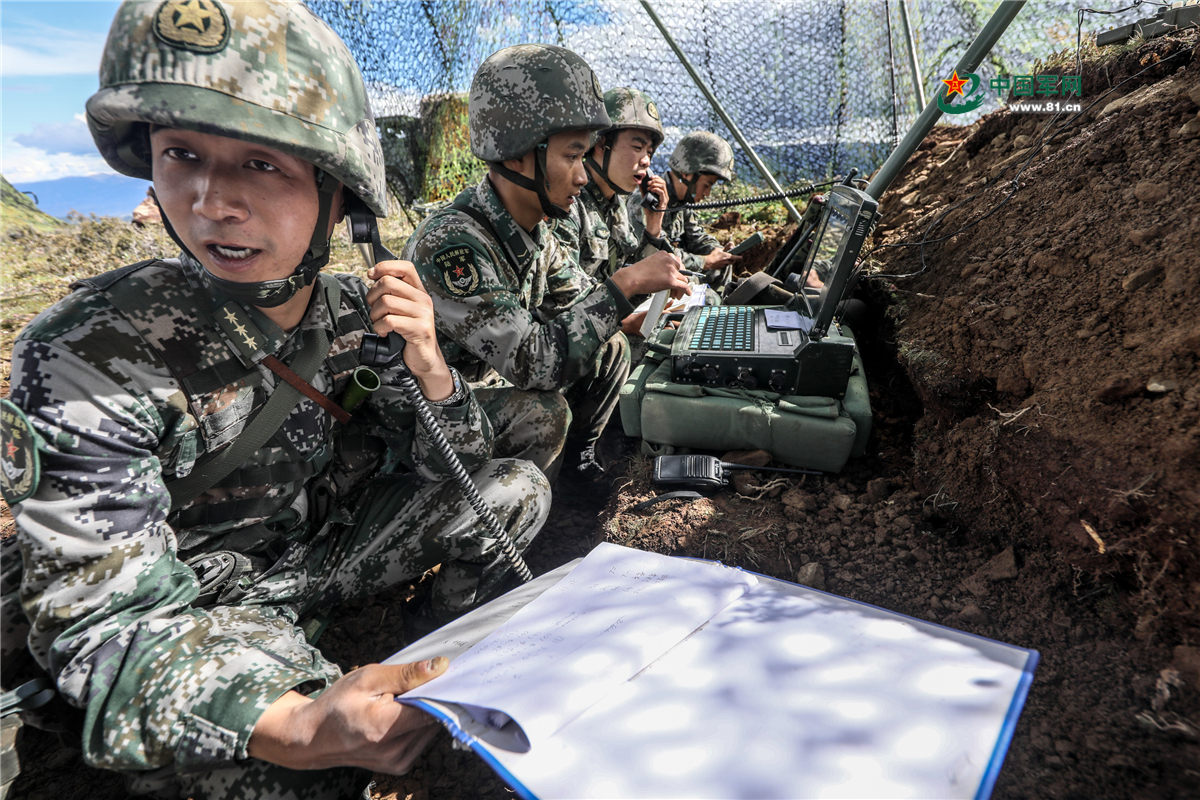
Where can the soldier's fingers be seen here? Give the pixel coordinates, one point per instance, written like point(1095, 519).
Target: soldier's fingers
point(404, 270)
point(396, 287)
point(399, 678)
point(405, 302)
point(405, 749)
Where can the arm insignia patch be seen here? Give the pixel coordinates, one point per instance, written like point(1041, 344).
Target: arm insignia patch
point(460, 273)
point(19, 465)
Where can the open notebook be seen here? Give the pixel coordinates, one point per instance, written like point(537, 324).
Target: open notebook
point(631, 674)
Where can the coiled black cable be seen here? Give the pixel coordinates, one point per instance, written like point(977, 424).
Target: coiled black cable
point(507, 549)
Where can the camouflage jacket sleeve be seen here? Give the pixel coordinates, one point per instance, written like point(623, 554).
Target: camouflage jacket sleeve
point(465, 426)
point(108, 599)
point(694, 239)
point(539, 329)
point(646, 244)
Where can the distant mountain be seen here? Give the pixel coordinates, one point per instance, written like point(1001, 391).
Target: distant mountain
point(102, 195)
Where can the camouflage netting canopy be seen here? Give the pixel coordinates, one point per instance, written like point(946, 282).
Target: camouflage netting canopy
point(816, 86)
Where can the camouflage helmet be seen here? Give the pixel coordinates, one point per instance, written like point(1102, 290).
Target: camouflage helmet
point(524, 94)
point(629, 108)
point(702, 152)
point(271, 73)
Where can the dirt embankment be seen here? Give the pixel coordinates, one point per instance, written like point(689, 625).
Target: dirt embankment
point(1055, 344)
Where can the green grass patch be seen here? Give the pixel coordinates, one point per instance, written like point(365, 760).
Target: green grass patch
point(17, 211)
point(38, 266)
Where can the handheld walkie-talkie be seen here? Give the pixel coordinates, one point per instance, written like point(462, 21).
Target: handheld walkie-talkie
point(704, 474)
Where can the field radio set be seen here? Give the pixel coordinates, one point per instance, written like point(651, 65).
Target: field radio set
point(789, 350)
point(787, 378)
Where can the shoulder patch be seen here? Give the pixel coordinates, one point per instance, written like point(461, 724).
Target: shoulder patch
point(457, 267)
point(20, 468)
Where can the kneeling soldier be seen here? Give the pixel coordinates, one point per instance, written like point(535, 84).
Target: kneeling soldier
point(696, 164)
point(193, 509)
point(507, 296)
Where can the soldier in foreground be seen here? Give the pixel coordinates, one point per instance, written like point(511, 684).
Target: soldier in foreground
point(510, 303)
point(169, 609)
point(696, 164)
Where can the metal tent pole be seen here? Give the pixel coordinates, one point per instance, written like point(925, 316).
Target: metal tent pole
point(737, 134)
point(918, 82)
point(970, 61)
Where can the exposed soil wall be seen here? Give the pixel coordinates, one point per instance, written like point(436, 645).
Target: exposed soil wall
point(1054, 344)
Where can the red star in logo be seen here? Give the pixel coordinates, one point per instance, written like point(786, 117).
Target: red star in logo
point(955, 84)
point(458, 271)
point(12, 449)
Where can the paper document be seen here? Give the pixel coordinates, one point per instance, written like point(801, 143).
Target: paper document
point(783, 692)
point(788, 321)
point(617, 611)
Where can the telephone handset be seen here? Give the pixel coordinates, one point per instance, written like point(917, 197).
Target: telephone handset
point(382, 351)
point(377, 351)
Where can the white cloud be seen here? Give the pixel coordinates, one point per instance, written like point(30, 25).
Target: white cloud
point(38, 49)
point(60, 137)
point(22, 164)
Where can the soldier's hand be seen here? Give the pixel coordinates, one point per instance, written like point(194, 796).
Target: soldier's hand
point(657, 186)
point(653, 218)
point(356, 722)
point(719, 258)
point(659, 271)
point(400, 303)
point(632, 325)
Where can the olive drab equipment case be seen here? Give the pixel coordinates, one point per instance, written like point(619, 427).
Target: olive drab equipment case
point(786, 380)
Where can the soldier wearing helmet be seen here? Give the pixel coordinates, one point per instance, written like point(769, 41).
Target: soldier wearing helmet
point(516, 316)
point(598, 233)
point(696, 164)
point(193, 511)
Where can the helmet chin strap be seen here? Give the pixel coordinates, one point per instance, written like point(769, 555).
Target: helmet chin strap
point(688, 196)
point(602, 169)
point(538, 184)
point(272, 293)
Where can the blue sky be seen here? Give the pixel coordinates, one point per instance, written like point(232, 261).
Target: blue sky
point(51, 55)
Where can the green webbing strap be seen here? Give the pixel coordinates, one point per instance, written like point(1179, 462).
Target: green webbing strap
point(266, 422)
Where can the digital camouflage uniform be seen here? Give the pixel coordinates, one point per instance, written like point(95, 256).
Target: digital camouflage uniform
point(517, 306)
point(598, 237)
point(697, 153)
point(598, 234)
point(509, 300)
point(138, 375)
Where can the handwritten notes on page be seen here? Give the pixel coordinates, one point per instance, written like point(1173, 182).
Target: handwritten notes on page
point(617, 612)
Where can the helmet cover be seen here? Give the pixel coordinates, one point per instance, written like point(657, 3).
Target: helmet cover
point(524, 94)
point(272, 73)
point(702, 152)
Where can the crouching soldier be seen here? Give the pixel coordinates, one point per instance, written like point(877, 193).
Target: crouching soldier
point(201, 492)
point(598, 231)
point(696, 164)
point(509, 299)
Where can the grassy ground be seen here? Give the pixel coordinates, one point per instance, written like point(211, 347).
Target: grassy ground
point(20, 212)
point(37, 266)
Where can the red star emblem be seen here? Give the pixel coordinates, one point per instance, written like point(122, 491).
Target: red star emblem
point(458, 271)
point(955, 84)
point(12, 449)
